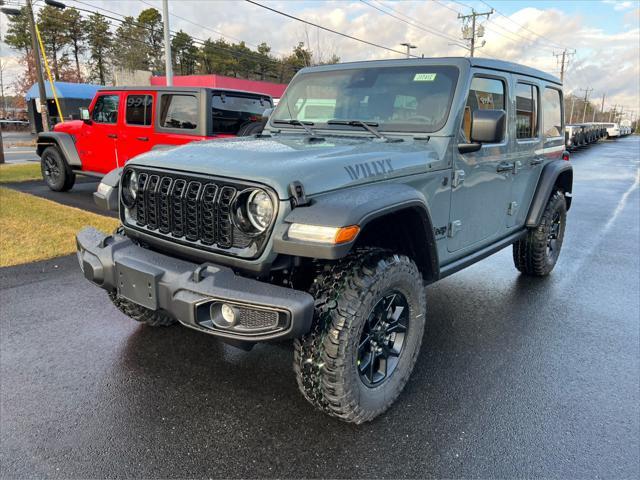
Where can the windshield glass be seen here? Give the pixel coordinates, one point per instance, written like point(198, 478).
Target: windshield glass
point(398, 99)
point(231, 111)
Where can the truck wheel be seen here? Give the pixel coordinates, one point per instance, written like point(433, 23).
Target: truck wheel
point(56, 171)
point(538, 252)
point(367, 330)
point(141, 314)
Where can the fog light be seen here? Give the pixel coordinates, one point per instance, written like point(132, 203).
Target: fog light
point(228, 313)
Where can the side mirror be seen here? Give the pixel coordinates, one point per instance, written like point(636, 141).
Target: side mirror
point(487, 126)
point(85, 116)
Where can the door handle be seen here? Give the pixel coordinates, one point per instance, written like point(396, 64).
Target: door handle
point(505, 167)
point(112, 135)
point(536, 161)
point(143, 139)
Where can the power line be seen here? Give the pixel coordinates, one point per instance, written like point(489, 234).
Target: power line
point(474, 32)
point(551, 42)
point(564, 57)
point(217, 32)
point(414, 24)
point(254, 56)
point(328, 29)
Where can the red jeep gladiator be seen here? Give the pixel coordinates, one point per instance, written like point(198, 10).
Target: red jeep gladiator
point(124, 122)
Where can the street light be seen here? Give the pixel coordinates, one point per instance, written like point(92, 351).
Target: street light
point(409, 47)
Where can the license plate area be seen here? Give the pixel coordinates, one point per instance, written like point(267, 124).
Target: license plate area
point(138, 282)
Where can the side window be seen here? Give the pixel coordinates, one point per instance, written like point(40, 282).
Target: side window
point(526, 110)
point(139, 110)
point(179, 111)
point(484, 94)
point(551, 113)
point(106, 109)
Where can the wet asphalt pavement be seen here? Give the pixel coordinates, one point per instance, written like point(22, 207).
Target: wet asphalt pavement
point(518, 377)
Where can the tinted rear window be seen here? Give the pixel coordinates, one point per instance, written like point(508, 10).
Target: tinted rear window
point(139, 109)
point(229, 111)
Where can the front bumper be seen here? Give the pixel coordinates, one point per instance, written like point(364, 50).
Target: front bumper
point(194, 293)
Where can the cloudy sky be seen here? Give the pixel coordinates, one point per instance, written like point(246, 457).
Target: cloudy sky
point(604, 33)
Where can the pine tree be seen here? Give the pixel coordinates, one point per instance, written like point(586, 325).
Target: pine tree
point(99, 42)
point(53, 30)
point(150, 20)
point(76, 29)
point(184, 53)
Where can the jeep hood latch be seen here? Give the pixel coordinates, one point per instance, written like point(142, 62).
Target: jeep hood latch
point(298, 198)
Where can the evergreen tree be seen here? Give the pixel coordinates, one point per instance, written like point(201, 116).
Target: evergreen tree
point(129, 47)
point(76, 29)
point(55, 37)
point(150, 20)
point(99, 41)
point(185, 54)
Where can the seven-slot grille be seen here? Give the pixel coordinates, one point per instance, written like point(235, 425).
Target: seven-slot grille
point(194, 209)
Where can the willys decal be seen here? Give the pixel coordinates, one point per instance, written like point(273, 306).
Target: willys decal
point(369, 169)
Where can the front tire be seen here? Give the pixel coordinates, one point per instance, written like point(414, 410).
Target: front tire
point(153, 318)
point(538, 252)
point(366, 336)
point(56, 172)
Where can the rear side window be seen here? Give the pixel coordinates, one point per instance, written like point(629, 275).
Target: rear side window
point(484, 94)
point(551, 113)
point(230, 112)
point(139, 109)
point(179, 111)
point(526, 111)
point(106, 109)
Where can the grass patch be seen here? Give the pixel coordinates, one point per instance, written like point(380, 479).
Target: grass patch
point(33, 228)
point(20, 172)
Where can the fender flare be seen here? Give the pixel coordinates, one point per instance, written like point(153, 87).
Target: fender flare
point(355, 206)
point(108, 193)
point(64, 142)
point(555, 173)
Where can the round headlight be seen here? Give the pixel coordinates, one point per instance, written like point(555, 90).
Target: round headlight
point(260, 210)
point(129, 188)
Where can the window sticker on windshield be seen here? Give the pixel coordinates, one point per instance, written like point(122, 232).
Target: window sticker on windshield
point(424, 77)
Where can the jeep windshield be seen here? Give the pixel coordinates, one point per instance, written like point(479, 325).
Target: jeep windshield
point(396, 99)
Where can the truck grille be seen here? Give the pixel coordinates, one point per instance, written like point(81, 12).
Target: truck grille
point(189, 209)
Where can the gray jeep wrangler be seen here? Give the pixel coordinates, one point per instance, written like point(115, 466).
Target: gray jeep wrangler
point(369, 181)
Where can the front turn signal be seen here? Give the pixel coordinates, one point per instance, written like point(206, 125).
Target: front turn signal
point(322, 234)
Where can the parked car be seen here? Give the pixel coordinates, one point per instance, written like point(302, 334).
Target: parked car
point(124, 122)
point(327, 230)
point(613, 130)
point(573, 136)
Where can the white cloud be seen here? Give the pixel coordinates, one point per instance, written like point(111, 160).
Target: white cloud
point(620, 5)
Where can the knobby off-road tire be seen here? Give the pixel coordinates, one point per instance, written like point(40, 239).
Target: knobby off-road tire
point(56, 172)
point(140, 313)
point(538, 252)
point(348, 292)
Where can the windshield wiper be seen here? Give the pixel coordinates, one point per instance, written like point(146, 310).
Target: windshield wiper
point(293, 121)
point(359, 123)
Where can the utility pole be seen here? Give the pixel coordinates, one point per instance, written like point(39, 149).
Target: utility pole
point(602, 106)
point(409, 47)
point(586, 91)
point(167, 44)
point(564, 60)
point(44, 109)
point(612, 112)
point(473, 33)
point(573, 102)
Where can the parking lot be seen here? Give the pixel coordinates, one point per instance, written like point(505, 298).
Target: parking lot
point(518, 376)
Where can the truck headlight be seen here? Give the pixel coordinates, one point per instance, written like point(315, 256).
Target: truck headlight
point(253, 211)
point(129, 184)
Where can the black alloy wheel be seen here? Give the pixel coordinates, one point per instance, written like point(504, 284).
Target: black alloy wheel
point(383, 339)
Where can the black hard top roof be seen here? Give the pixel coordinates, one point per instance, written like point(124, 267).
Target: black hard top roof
point(161, 88)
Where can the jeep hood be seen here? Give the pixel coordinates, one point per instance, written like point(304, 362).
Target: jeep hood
point(321, 165)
